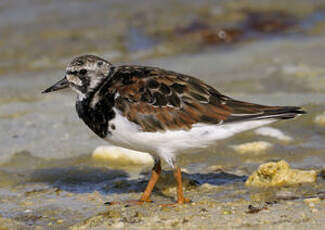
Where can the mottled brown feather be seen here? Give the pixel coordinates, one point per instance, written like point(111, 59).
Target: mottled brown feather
point(159, 100)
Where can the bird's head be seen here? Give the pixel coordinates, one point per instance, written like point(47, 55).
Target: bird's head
point(83, 75)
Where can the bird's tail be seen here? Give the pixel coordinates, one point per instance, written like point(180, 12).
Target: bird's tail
point(266, 112)
point(284, 112)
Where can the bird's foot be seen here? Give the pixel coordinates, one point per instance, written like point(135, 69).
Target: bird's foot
point(128, 202)
point(181, 201)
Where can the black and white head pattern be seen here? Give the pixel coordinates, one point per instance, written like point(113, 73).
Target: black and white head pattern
point(86, 73)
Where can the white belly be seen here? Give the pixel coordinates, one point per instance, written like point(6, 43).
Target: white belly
point(167, 144)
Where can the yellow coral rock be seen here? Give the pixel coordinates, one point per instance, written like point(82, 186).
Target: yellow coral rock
point(279, 174)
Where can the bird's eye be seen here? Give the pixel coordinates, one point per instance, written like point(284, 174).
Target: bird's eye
point(79, 63)
point(100, 63)
point(83, 71)
point(72, 72)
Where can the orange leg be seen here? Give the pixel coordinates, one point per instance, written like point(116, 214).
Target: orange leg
point(147, 192)
point(152, 182)
point(180, 195)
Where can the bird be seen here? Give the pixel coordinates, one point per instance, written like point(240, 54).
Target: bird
point(159, 111)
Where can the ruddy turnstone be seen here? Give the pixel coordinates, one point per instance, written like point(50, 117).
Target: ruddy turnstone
point(159, 111)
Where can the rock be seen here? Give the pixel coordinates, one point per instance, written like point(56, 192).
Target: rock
point(279, 174)
point(60, 221)
point(314, 210)
point(184, 170)
point(118, 155)
point(118, 225)
point(320, 119)
point(227, 212)
point(215, 168)
point(286, 195)
point(313, 200)
point(208, 186)
point(252, 147)
point(272, 132)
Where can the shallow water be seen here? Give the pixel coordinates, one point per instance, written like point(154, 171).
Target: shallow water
point(46, 171)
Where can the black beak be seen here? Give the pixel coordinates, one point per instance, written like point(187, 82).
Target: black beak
point(62, 84)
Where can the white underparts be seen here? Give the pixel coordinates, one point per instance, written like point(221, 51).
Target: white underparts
point(167, 144)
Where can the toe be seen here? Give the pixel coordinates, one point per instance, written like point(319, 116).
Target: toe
point(128, 202)
point(184, 201)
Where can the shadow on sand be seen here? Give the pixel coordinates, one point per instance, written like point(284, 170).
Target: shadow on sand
point(107, 181)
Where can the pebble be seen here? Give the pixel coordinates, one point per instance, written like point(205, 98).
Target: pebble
point(314, 210)
point(252, 147)
point(27, 203)
point(312, 201)
point(215, 168)
point(320, 119)
point(311, 205)
point(27, 211)
point(208, 186)
point(184, 170)
point(118, 155)
point(118, 225)
point(59, 221)
point(227, 212)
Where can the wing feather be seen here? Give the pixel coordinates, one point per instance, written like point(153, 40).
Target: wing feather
point(159, 100)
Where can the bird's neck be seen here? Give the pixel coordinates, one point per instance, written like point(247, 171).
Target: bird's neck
point(95, 108)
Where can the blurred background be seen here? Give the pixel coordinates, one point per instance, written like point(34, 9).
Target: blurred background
point(269, 52)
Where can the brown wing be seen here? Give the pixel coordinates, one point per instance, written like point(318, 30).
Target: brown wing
point(157, 99)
